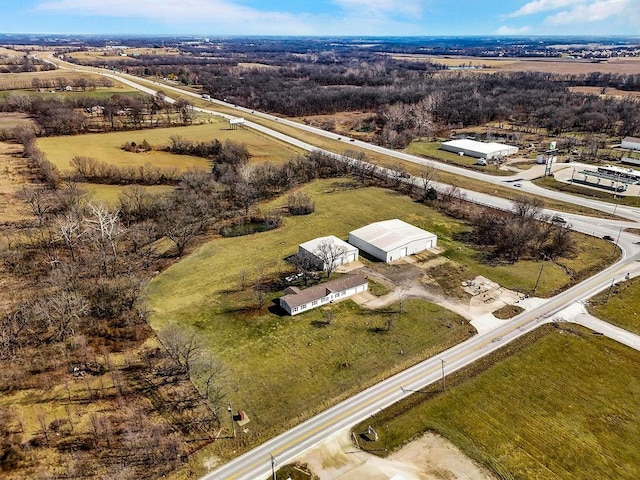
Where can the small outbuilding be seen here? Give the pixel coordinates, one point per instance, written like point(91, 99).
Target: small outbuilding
point(295, 300)
point(630, 143)
point(473, 148)
point(329, 250)
point(392, 239)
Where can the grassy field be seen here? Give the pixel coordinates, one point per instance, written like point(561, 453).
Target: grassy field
point(107, 146)
point(552, 184)
point(99, 92)
point(563, 405)
point(264, 351)
point(623, 306)
point(27, 77)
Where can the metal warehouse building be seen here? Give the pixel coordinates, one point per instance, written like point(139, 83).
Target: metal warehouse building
point(392, 239)
point(338, 250)
point(476, 149)
point(631, 143)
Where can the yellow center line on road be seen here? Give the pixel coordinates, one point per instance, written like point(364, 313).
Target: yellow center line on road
point(304, 435)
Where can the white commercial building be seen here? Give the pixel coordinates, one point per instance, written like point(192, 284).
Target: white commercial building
point(297, 301)
point(392, 239)
point(631, 143)
point(476, 149)
point(328, 249)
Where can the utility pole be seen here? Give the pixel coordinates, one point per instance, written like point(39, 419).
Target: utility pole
point(610, 288)
point(273, 467)
point(538, 279)
point(233, 424)
point(444, 386)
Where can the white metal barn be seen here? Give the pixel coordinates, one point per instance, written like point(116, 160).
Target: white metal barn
point(341, 252)
point(473, 148)
point(631, 143)
point(392, 239)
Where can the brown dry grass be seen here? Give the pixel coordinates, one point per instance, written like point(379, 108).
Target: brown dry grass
point(546, 65)
point(13, 177)
point(609, 92)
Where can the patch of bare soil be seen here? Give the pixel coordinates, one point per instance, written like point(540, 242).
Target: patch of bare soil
point(430, 457)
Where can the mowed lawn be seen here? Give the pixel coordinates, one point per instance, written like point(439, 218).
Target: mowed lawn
point(281, 368)
point(567, 406)
point(623, 306)
point(107, 147)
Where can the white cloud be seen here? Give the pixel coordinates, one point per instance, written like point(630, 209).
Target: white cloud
point(377, 7)
point(506, 30)
point(593, 12)
point(538, 6)
point(218, 15)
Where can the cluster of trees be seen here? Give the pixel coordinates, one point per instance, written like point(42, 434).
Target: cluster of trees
point(409, 98)
point(88, 169)
point(23, 64)
point(525, 232)
point(83, 113)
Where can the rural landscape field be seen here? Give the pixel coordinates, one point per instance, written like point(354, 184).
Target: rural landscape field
point(472, 209)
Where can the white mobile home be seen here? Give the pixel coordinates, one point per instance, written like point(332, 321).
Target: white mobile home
point(296, 301)
point(392, 239)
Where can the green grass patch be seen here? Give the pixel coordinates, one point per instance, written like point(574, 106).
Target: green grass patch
point(377, 288)
point(619, 305)
point(574, 189)
point(567, 405)
point(107, 147)
point(64, 95)
point(266, 353)
point(508, 311)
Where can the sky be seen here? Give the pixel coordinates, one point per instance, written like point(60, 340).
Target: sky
point(322, 17)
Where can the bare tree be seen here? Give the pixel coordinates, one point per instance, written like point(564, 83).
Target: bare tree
point(184, 348)
point(330, 253)
point(305, 264)
point(527, 208)
point(40, 202)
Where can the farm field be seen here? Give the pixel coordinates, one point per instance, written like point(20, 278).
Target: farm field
point(25, 78)
point(561, 404)
point(263, 351)
point(629, 65)
point(106, 147)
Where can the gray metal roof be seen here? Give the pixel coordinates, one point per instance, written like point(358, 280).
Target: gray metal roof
point(390, 234)
point(319, 291)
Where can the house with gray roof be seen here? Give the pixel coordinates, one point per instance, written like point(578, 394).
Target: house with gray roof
point(295, 300)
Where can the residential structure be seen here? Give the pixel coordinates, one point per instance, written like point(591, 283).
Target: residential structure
point(296, 301)
point(328, 249)
point(631, 143)
point(392, 239)
point(473, 148)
